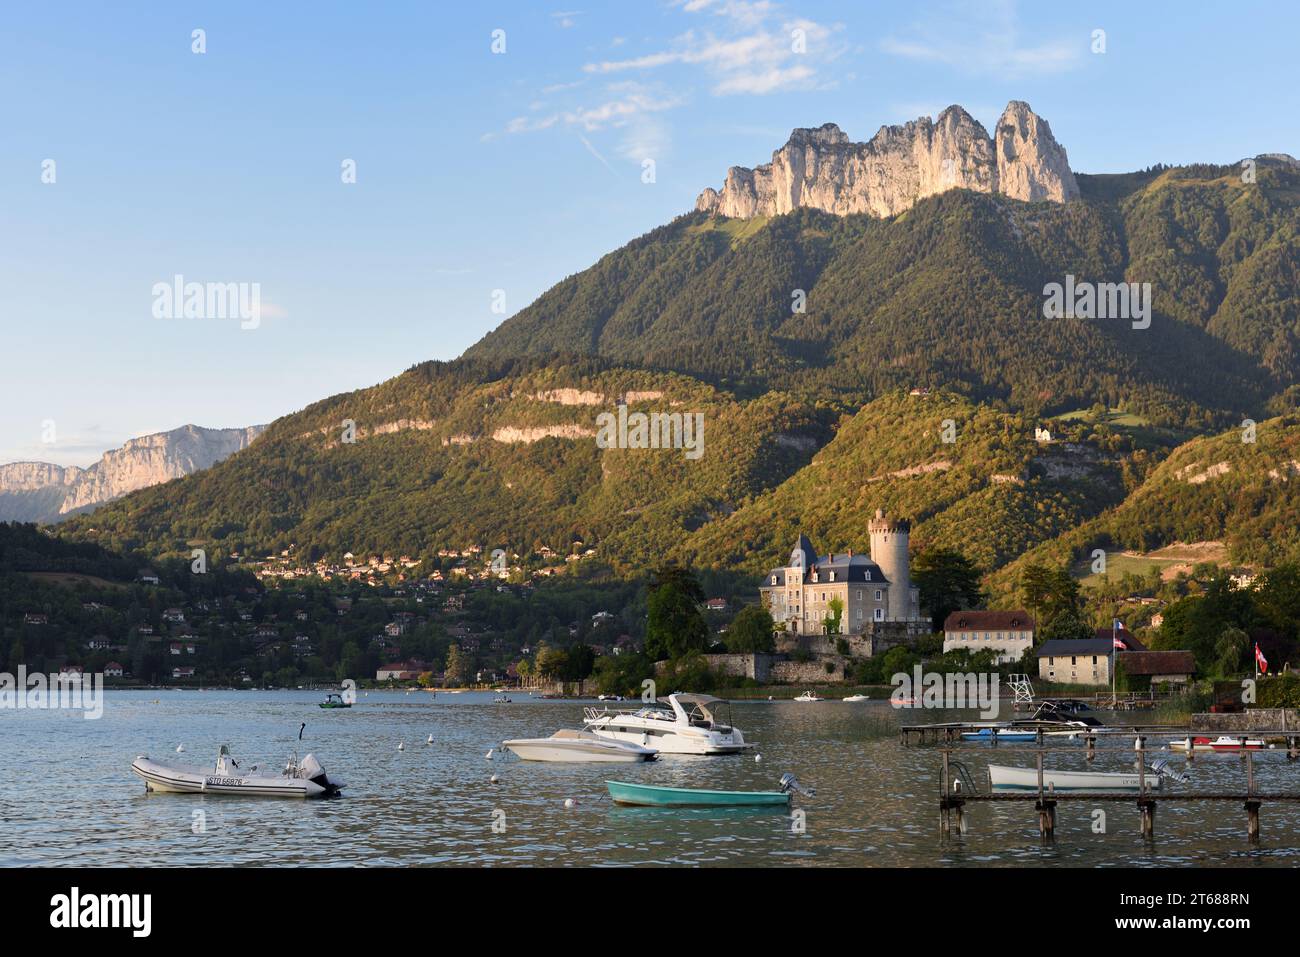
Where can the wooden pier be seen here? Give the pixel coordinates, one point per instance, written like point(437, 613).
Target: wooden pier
point(953, 798)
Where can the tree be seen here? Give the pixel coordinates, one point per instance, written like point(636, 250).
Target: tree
point(674, 623)
point(751, 631)
point(1229, 650)
point(948, 582)
point(1049, 593)
point(457, 671)
point(831, 623)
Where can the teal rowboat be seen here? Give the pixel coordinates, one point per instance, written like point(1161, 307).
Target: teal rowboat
point(646, 795)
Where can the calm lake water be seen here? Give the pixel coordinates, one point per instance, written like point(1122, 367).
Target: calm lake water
point(68, 797)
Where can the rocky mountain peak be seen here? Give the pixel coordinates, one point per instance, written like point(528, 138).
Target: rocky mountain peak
point(821, 168)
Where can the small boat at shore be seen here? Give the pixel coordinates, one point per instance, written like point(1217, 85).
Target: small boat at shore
point(334, 701)
point(999, 734)
point(305, 779)
point(1223, 743)
point(808, 696)
point(1026, 779)
point(579, 747)
point(649, 795)
point(853, 698)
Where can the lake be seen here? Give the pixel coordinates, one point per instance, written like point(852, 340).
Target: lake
point(68, 797)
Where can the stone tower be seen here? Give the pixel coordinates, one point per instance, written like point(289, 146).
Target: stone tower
point(889, 540)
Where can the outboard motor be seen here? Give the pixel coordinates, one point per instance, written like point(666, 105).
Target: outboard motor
point(313, 772)
point(790, 783)
point(1163, 769)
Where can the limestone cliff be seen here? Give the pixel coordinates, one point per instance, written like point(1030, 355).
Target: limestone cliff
point(40, 492)
point(822, 169)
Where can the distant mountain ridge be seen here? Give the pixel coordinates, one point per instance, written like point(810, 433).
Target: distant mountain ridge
point(42, 492)
point(820, 168)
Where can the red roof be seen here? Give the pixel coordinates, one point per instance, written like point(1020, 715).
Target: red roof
point(113, 664)
point(1157, 662)
point(972, 620)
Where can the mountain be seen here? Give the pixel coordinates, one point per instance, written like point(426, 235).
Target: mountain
point(40, 492)
point(821, 169)
point(826, 349)
point(1239, 495)
point(950, 294)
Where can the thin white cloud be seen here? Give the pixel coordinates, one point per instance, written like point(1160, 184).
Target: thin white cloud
point(984, 38)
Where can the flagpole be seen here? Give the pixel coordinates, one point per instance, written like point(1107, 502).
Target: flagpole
point(1112, 662)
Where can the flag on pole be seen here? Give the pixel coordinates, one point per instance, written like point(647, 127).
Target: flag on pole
point(1260, 659)
point(1117, 626)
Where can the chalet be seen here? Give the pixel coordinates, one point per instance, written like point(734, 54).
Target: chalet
point(300, 615)
point(148, 576)
point(395, 629)
point(183, 672)
point(33, 618)
point(601, 617)
point(99, 643)
point(70, 673)
point(144, 629)
point(716, 604)
point(113, 670)
point(1008, 633)
point(398, 671)
point(173, 614)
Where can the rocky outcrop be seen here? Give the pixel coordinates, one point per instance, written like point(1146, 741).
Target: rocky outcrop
point(40, 492)
point(820, 168)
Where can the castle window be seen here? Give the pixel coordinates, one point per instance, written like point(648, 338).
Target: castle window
point(832, 576)
point(880, 595)
point(880, 614)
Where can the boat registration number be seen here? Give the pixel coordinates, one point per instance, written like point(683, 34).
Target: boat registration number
point(223, 782)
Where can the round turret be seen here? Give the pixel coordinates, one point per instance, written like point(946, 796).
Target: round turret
point(889, 544)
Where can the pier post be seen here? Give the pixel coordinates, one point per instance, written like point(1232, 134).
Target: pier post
point(1092, 746)
point(1244, 752)
point(1292, 748)
point(1252, 820)
point(1148, 809)
point(1250, 773)
point(1191, 749)
point(1046, 819)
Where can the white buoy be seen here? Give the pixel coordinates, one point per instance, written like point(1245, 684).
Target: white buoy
point(570, 802)
point(491, 751)
point(180, 748)
point(758, 758)
point(401, 745)
point(430, 741)
point(494, 779)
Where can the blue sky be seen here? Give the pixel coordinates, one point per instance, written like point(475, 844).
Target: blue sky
point(479, 171)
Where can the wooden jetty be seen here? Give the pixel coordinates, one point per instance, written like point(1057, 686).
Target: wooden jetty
point(953, 798)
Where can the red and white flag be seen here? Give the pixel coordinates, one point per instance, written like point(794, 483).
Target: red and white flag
point(1117, 629)
point(1261, 660)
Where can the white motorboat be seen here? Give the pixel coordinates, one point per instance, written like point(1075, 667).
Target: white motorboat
point(679, 724)
point(579, 746)
point(1026, 779)
point(305, 779)
point(856, 697)
point(809, 696)
point(1224, 743)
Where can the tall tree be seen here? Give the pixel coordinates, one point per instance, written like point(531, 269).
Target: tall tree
point(675, 624)
point(751, 631)
point(948, 582)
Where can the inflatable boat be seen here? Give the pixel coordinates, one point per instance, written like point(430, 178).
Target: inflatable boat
point(305, 779)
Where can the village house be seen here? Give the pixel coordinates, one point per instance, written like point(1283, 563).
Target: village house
point(173, 614)
point(113, 670)
point(1008, 633)
point(399, 671)
point(716, 604)
point(1081, 661)
point(34, 618)
point(183, 672)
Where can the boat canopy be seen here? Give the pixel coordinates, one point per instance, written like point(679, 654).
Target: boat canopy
point(705, 705)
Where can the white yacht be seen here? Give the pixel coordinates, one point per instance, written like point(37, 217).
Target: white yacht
point(679, 724)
